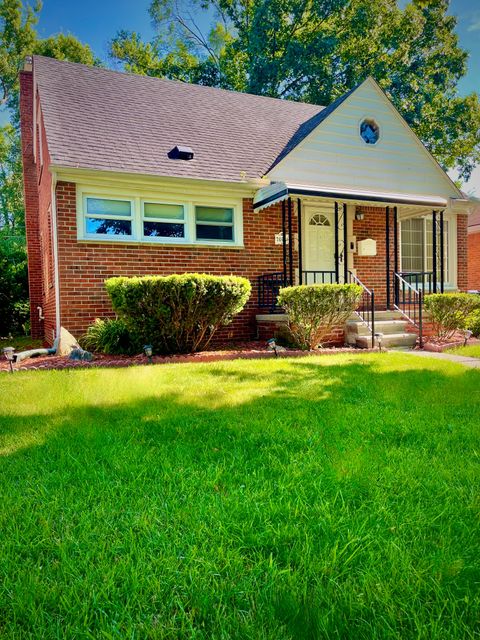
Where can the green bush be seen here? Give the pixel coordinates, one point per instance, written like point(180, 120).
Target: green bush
point(473, 322)
point(449, 312)
point(178, 313)
point(111, 337)
point(314, 310)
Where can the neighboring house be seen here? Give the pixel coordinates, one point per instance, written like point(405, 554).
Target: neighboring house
point(474, 249)
point(130, 175)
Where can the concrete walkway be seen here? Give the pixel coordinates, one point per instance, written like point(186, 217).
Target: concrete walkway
point(467, 361)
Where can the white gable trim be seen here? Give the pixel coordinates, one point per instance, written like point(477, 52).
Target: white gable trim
point(373, 84)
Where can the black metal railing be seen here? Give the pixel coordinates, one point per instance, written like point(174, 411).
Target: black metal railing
point(409, 301)
point(366, 308)
point(419, 280)
point(318, 277)
point(269, 285)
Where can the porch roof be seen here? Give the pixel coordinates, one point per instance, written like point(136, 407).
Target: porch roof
point(278, 191)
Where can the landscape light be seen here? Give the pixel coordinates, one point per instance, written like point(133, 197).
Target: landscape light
point(379, 337)
point(148, 352)
point(468, 334)
point(8, 352)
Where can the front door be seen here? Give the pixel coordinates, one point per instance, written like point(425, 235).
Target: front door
point(319, 244)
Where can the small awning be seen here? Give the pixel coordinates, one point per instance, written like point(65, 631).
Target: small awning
point(278, 191)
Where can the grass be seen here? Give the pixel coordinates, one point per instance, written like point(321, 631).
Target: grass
point(20, 343)
point(325, 497)
point(470, 350)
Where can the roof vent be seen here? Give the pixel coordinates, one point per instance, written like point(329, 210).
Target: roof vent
point(181, 153)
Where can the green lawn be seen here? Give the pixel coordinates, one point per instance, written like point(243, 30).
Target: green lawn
point(325, 498)
point(473, 351)
point(20, 343)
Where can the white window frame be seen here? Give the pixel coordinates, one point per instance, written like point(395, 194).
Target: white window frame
point(160, 239)
point(215, 224)
point(451, 282)
point(139, 197)
point(106, 236)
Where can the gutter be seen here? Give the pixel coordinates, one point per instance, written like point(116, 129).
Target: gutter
point(55, 255)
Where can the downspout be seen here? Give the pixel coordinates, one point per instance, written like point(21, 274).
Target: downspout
point(55, 255)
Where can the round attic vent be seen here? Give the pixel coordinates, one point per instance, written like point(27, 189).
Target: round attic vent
point(369, 131)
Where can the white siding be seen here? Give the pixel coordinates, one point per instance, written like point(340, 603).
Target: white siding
point(334, 155)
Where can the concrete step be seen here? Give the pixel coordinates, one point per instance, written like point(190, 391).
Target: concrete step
point(389, 340)
point(381, 326)
point(381, 315)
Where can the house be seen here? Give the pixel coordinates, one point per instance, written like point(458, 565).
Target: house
point(474, 249)
point(131, 175)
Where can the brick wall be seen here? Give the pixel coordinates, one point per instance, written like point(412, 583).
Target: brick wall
point(38, 219)
point(462, 252)
point(474, 260)
point(83, 266)
point(372, 269)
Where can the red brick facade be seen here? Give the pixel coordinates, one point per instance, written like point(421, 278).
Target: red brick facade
point(474, 260)
point(462, 252)
point(372, 269)
point(83, 266)
point(38, 215)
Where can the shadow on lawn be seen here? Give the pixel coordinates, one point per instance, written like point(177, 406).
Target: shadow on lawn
point(287, 436)
point(300, 395)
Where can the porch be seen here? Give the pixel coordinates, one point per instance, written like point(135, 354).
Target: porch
point(397, 248)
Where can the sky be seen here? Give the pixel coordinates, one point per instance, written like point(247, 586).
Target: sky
point(96, 21)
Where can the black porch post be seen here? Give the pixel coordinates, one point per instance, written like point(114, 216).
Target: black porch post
point(336, 243)
point(290, 242)
point(284, 243)
point(387, 252)
point(442, 253)
point(345, 239)
point(299, 224)
point(434, 250)
point(395, 248)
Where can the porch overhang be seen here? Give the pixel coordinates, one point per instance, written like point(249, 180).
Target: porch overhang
point(278, 191)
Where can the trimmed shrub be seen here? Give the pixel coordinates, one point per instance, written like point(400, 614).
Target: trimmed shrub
point(473, 323)
point(111, 337)
point(449, 312)
point(178, 313)
point(315, 309)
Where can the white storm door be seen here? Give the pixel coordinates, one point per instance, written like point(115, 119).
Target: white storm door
point(319, 244)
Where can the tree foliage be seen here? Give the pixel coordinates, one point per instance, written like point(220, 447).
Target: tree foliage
point(19, 38)
point(315, 51)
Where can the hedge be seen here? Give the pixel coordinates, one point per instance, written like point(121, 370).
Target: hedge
point(314, 310)
point(449, 312)
point(177, 313)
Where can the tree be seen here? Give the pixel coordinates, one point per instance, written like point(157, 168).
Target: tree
point(316, 50)
point(18, 38)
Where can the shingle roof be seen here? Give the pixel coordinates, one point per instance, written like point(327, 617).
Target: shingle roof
point(101, 119)
point(474, 218)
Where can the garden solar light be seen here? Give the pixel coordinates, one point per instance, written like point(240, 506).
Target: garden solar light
point(272, 345)
point(8, 352)
point(468, 334)
point(148, 351)
point(379, 337)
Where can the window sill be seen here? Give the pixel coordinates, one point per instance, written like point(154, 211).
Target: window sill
point(158, 243)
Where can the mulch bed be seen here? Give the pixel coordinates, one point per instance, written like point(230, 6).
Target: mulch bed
point(246, 350)
point(458, 340)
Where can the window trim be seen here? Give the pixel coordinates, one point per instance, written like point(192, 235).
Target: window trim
point(451, 282)
point(103, 236)
point(369, 116)
point(161, 239)
point(215, 224)
point(139, 196)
